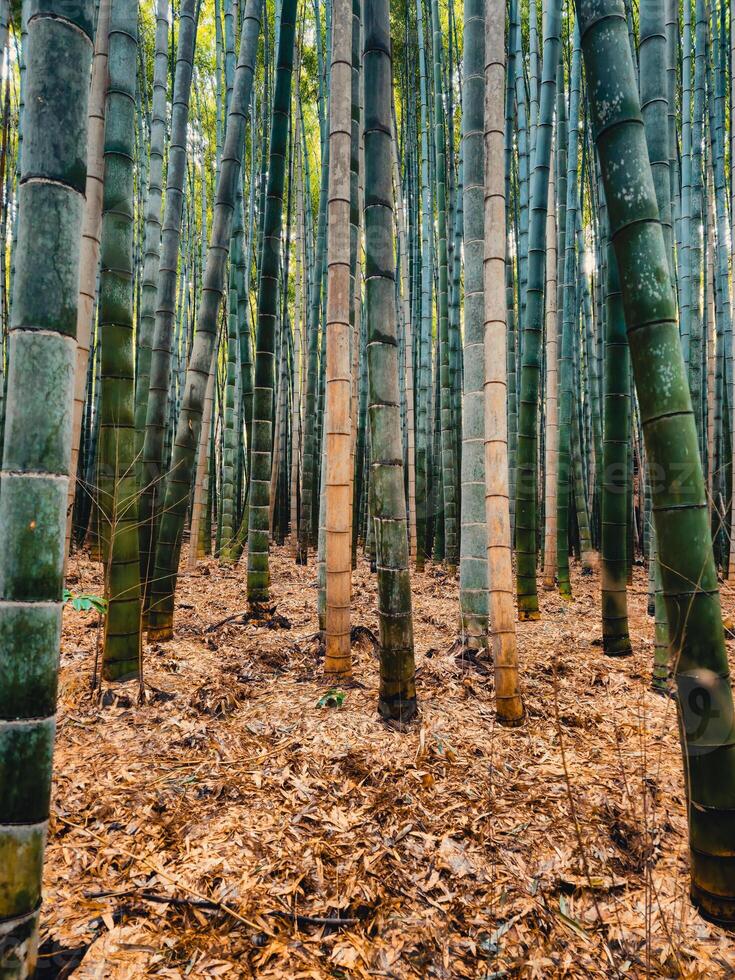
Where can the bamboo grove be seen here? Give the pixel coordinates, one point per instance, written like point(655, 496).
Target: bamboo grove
point(434, 281)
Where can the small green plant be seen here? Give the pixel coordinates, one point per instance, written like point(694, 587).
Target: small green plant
point(332, 699)
point(85, 601)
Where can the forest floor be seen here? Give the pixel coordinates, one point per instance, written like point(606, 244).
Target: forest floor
point(456, 848)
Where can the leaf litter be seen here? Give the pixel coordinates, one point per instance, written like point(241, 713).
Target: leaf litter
point(241, 819)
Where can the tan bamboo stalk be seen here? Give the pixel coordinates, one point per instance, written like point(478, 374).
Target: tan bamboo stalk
point(339, 369)
point(406, 316)
point(201, 481)
point(509, 704)
point(355, 376)
point(551, 449)
point(356, 340)
point(355, 212)
point(90, 243)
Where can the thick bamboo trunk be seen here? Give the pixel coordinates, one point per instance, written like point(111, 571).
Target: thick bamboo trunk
point(34, 475)
point(473, 596)
point(338, 433)
point(118, 484)
point(509, 704)
point(689, 578)
point(397, 697)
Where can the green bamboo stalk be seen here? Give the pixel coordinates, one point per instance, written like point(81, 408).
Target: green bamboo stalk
point(655, 112)
point(189, 425)
point(260, 470)
point(152, 244)
point(707, 722)
point(312, 361)
point(397, 671)
point(90, 251)
point(473, 597)
point(448, 454)
point(615, 488)
point(162, 339)
point(37, 447)
point(227, 499)
point(118, 483)
point(696, 338)
point(526, 510)
point(569, 326)
point(423, 456)
point(551, 427)
point(533, 75)
point(683, 253)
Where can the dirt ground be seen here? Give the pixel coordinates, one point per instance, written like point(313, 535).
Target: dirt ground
point(206, 831)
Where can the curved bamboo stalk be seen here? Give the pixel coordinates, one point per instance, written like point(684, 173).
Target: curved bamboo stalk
point(162, 339)
point(189, 427)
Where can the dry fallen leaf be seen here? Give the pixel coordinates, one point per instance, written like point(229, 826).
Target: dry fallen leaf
point(446, 847)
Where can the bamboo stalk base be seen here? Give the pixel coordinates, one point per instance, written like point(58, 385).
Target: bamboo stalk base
point(617, 646)
point(718, 909)
point(402, 710)
point(510, 712)
point(160, 634)
point(528, 615)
